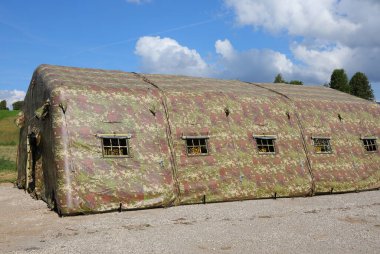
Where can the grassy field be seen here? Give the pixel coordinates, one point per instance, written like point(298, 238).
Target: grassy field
point(8, 129)
point(8, 145)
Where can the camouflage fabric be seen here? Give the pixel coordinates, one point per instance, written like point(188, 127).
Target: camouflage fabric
point(158, 112)
point(20, 120)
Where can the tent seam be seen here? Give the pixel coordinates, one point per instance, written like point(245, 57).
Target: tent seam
point(300, 126)
point(168, 134)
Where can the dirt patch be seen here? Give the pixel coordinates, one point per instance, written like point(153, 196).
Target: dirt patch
point(312, 211)
point(137, 227)
point(183, 221)
point(265, 216)
point(353, 220)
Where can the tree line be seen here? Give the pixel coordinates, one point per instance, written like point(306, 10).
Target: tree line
point(16, 105)
point(358, 85)
point(279, 79)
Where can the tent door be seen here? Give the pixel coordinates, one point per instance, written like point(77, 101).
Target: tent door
point(31, 163)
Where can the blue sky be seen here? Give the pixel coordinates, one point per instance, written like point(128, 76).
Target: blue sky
point(250, 40)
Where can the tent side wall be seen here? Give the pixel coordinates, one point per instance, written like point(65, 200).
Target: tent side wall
point(349, 167)
point(344, 119)
point(234, 169)
point(88, 180)
point(35, 163)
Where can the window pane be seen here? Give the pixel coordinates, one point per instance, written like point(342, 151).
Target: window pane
point(107, 151)
point(115, 147)
point(265, 145)
point(322, 145)
point(196, 146)
point(115, 151)
point(106, 142)
point(114, 142)
point(195, 150)
point(124, 151)
point(123, 142)
point(370, 145)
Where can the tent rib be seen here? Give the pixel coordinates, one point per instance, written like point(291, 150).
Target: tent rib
point(168, 134)
point(300, 126)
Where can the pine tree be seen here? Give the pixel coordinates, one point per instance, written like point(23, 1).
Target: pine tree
point(360, 86)
point(339, 81)
point(279, 79)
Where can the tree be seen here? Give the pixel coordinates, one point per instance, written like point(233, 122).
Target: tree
point(339, 81)
point(17, 105)
point(3, 105)
point(296, 82)
point(360, 86)
point(279, 79)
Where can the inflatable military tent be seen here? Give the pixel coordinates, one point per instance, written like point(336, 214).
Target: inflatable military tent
point(94, 140)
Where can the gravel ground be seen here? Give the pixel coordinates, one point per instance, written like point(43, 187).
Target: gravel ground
point(345, 223)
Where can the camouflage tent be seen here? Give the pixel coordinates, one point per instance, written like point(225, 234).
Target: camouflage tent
point(94, 140)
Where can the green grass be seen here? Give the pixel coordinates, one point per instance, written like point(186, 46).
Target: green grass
point(8, 171)
point(8, 143)
point(8, 113)
point(9, 132)
point(6, 164)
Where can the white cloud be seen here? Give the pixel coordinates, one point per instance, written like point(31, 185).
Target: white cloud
point(322, 19)
point(334, 33)
point(11, 96)
point(323, 35)
point(225, 48)
point(318, 63)
point(313, 64)
point(165, 55)
point(252, 65)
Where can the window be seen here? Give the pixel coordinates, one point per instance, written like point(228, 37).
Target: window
point(322, 145)
point(115, 145)
point(265, 144)
point(370, 144)
point(196, 145)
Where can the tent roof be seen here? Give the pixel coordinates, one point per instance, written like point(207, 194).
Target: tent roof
point(85, 78)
